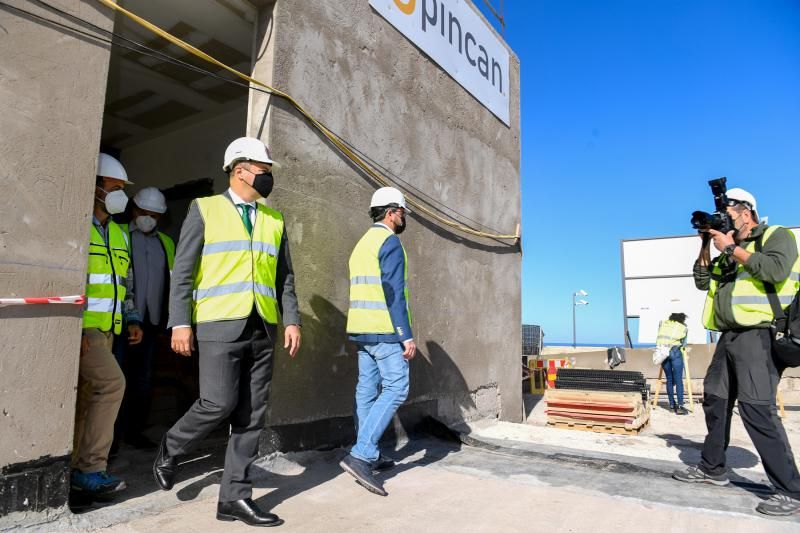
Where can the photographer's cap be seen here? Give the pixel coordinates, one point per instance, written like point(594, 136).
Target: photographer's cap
point(741, 195)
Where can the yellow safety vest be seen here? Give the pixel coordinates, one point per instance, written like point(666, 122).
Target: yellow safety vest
point(749, 300)
point(671, 333)
point(105, 285)
point(236, 271)
point(166, 242)
point(368, 311)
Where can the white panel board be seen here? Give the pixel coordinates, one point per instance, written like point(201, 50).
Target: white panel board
point(658, 281)
point(652, 300)
point(675, 256)
point(459, 41)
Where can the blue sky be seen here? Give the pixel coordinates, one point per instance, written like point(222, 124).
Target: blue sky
point(629, 107)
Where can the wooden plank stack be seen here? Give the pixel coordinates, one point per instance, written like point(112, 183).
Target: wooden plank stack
point(582, 401)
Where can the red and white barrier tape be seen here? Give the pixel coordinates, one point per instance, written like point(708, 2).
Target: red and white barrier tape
point(74, 300)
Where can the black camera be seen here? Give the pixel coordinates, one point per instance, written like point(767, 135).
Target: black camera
point(719, 220)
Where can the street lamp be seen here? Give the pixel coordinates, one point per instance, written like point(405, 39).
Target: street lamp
point(575, 304)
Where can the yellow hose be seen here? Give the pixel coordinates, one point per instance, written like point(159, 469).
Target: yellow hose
point(332, 137)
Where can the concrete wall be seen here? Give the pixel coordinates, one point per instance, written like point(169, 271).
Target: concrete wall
point(364, 80)
point(52, 86)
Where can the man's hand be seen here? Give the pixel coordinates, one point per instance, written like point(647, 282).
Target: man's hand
point(704, 259)
point(135, 334)
point(182, 341)
point(721, 240)
point(410, 349)
point(291, 336)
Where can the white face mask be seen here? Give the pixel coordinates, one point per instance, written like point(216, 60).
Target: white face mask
point(145, 223)
point(115, 201)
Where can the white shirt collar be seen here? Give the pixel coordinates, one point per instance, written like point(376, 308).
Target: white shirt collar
point(237, 200)
point(383, 225)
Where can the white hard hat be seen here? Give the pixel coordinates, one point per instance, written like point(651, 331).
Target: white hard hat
point(151, 199)
point(109, 167)
point(741, 195)
point(246, 149)
point(388, 195)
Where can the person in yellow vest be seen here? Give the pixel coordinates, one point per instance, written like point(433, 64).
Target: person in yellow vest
point(742, 368)
point(672, 333)
point(109, 293)
point(379, 322)
point(231, 283)
point(153, 255)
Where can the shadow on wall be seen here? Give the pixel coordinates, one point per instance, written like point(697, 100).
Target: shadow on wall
point(434, 374)
point(320, 384)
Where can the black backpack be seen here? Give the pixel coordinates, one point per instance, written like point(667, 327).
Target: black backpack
point(785, 326)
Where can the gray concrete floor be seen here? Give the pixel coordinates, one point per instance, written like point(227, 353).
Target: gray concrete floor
point(513, 477)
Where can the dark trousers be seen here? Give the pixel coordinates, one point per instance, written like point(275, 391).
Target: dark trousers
point(234, 383)
point(673, 370)
point(743, 368)
point(138, 363)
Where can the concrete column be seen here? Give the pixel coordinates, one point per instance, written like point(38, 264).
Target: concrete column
point(52, 88)
point(363, 79)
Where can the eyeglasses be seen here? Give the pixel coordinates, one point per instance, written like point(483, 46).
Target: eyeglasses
point(734, 203)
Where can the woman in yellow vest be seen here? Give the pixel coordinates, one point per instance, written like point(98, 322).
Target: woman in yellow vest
point(672, 333)
point(742, 368)
point(379, 322)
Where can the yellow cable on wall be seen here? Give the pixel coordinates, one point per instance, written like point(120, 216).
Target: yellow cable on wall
point(332, 137)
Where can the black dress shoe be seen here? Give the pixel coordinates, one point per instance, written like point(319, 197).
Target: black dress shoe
point(248, 512)
point(383, 463)
point(165, 467)
point(362, 471)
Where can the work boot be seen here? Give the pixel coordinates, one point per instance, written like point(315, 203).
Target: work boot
point(362, 471)
point(779, 505)
point(694, 475)
point(681, 410)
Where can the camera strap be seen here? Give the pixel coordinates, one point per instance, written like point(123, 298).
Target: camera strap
point(772, 294)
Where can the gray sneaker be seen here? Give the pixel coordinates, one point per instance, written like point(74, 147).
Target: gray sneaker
point(695, 475)
point(779, 505)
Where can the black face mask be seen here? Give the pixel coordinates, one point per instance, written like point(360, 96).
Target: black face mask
point(400, 228)
point(263, 183)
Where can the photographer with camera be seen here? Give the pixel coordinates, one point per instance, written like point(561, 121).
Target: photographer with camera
point(743, 367)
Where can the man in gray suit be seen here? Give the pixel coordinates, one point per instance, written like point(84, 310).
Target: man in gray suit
point(232, 279)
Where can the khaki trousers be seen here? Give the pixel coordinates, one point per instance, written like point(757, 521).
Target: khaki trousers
point(101, 386)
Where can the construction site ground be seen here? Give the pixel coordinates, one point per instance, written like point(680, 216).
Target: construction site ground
point(498, 477)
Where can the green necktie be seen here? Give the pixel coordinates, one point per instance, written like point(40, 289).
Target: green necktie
point(246, 217)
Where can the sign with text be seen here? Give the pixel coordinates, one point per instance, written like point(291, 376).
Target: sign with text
point(459, 40)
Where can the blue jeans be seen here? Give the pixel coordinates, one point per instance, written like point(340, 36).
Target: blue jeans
point(383, 365)
point(673, 369)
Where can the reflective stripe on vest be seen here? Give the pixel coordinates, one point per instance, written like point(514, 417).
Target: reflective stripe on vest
point(236, 271)
point(105, 279)
point(368, 312)
point(749, 301)
point(671, 333)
